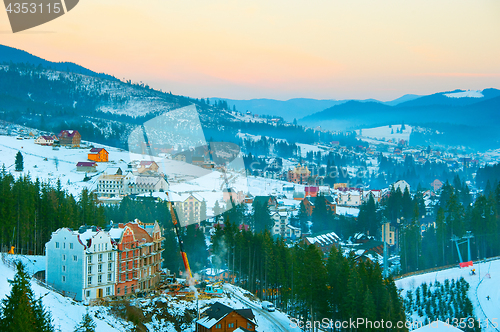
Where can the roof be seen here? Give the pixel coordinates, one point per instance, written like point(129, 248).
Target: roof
point(68, 133)
point(86, 164)
point(217, 311)
point(147, 162)
point(97, 150)
point(47, 138)
point(324, 239)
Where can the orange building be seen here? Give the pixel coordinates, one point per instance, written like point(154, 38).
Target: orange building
point(139, 257)
point(98, 155)
point(300, 174)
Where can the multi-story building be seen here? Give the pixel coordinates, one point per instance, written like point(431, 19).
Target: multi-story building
point(98, 155)
point(69, 138)
point(92, 263)
point(300, 174)
point(128, 183)
point(139, 257)
point(81, 263)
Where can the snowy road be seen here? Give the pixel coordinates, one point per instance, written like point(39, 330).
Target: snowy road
point(267, 321)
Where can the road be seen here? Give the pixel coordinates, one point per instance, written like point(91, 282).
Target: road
point(275, 321)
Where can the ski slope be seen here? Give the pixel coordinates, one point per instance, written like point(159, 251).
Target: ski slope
point(484, 283)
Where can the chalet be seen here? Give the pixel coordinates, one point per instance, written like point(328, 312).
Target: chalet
point(221, 318)
point(69, 138)
point(86, 166)
point(231, 194)
point(180, 157)
point(45, 140)
point(148, 166)
point(98, 155)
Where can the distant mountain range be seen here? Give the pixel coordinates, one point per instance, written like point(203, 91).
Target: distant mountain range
point(453, 107)
point(297, 108)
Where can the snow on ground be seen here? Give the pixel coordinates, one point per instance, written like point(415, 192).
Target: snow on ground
point(467, 94)
point(386, 133)
point(347, 211)
point(40, 162)
point(305, 148)
point(481, 286)
point(66, 313)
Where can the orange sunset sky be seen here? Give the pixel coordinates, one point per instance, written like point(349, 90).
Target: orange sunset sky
point(281, 49)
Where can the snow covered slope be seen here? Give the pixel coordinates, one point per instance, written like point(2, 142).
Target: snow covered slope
point(386, 133)
point(483, 284)
point(465, 94)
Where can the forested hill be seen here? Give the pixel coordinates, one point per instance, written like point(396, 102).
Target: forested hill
point(13, 55)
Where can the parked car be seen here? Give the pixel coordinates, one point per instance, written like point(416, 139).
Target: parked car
point(266, 305)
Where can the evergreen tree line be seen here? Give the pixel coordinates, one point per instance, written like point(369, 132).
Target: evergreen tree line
point(442, 301)
point(31, 210)
point(304, 283)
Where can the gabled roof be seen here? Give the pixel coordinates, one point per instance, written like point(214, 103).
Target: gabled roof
point(68, 133)
point(86, 164)
point(218, 311)
point(97, 150)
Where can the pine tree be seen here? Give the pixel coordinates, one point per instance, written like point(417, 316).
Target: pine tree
point(19, 162)
point(87, 324)
point(20, 311)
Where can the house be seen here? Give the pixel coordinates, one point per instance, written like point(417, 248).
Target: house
point(300, 174)
point(311, 191)
point(229, 194)
point(349, 196)
point(292, 232)
point(220, 317)
point(401, 185)
point(45, 140)
point(81, 264)
point(198, 161)
point(98, 155)
point(86, 166)
point(180, 157)
point(436, 185)
point(69, 138)
point(323, 241)
point(148, 166)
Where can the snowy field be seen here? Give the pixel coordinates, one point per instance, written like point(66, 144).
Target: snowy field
point(465, 94)
point(484, 283)
point(385, 133)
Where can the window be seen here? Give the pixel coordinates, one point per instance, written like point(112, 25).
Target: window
point(64, 245)
point(75, 258)
point(132, 288)
point(118, 290)
point(218, 326)
point(110, 256)
point(100, 258)
point(89, 280)
point(230, 325)
point(88, 293)
point(249, 326)
point(64, 278)
point(89, 270)
point(63, 257)
point(99, 278)
point(64, 268)
point(108, 291)
point(57, 245)
point(99, 268)
point(110, 266)
point(125, 290)
point(89, 259)
point(109, 276)
point(106, 246)
point(71, 245)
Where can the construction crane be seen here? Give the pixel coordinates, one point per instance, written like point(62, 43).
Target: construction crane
point(175, 221)
point(175, 218)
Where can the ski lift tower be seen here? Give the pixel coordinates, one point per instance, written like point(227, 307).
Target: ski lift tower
point(466, 238)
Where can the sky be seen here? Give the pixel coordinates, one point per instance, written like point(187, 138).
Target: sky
point(279, 49)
